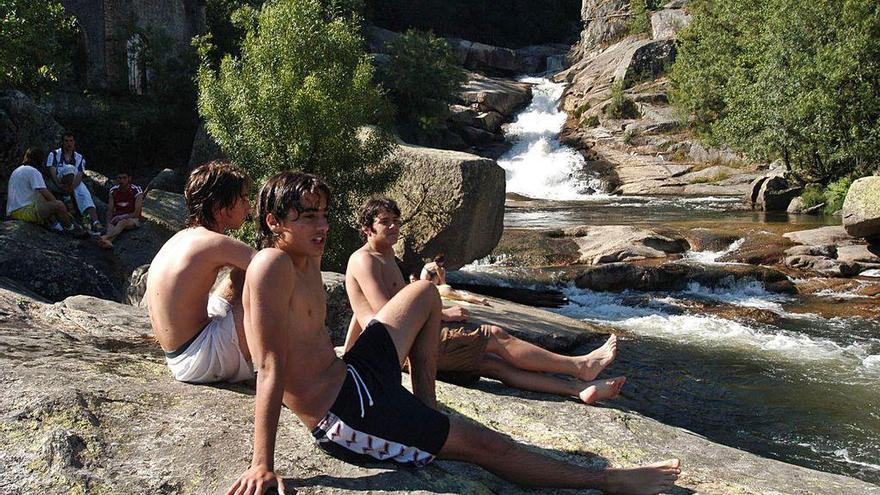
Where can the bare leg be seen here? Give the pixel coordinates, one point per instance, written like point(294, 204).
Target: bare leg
point(50, 209)
point(514, 462)
point(117, 228)
point(412, 318)
point(531, 357)
point(588, 392)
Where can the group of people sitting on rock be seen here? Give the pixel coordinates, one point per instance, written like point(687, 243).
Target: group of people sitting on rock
point(39, 193)
point(268, 318)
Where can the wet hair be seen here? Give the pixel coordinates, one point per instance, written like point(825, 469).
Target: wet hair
point(34, 157)
point(212, 186)
point(282, 193)
point(371, 209)
point(440, 258)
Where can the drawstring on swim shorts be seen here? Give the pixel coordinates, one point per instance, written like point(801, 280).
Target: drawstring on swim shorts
point(359, 384)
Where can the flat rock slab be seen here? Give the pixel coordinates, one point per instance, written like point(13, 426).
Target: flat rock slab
point(823, 236)
point(80, 413)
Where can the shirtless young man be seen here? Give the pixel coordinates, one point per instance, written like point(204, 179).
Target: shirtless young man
point(356, 406)
point(373, 278)
point(202, 333)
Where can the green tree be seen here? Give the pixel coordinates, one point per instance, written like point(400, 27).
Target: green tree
point(784, 78)
point(296, 98)
point(423, 78)
point(37, 44)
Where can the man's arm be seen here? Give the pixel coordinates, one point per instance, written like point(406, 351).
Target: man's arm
point(268, 285)
point(46, 194)
point(231, 252)
point(367, 273)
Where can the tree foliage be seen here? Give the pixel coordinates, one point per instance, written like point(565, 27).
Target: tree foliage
point(424, 78)
point(784, 78)
point(37, 44)
point(296, 98)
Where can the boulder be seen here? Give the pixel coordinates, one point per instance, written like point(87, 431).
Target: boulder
point(604, 21)
point(339, 311)
point(98, 184)
point(647, 62)
point(105, 416)
point(797, 207)
point(454, 203)
point(168, 180)
point(759, 248)
point(861, 208)
point(677, 276)
point(204, 148)
point(775, 194)
point(23, 124)
point(666, 23)
point(612, 243)
point(137, 247)
point(137, 287)
point(494, 94)
point(56, 266)
point(699, 153)
point(834, 235)
point(702, 239)
point(167, 210)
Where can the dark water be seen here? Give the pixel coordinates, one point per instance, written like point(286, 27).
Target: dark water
point(802, 388)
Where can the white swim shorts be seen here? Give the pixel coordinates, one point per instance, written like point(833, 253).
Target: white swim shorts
point(213, 355)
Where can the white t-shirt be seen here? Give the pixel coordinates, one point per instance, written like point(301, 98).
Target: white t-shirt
point(23, 185)
point(56, 159)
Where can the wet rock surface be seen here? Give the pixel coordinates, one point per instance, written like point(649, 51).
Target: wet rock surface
point(88, 406)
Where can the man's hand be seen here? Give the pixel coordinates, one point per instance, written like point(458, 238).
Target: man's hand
point(454, 313)
point(255, 481)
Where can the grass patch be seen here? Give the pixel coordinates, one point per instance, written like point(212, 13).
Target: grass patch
point(591, 121)
point(621, 106)
point(720, 176)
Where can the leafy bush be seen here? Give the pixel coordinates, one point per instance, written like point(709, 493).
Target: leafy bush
point(812, 196)
point(620, 106)
point(640, 17)
point(835, 193)
point(296, 98)
point(424, 78)
point(591, 121)
point(37, 44)
point(776, 78)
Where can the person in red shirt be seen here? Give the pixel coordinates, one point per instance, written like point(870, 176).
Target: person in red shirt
point(123, 209)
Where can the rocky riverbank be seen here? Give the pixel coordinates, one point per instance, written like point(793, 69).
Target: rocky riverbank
point(88, 407)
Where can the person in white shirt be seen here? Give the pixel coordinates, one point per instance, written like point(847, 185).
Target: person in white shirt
point(67, 155)
point(29, 200)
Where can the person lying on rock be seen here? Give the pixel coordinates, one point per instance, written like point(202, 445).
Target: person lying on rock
point(435, 271)
point(202, 333)
point(355, 406)
point(124, 206)
point(372, 278)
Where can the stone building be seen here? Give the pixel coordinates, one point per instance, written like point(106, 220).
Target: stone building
point(116, 33)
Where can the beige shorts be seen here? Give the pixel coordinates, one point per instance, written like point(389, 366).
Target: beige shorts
point(461, 350)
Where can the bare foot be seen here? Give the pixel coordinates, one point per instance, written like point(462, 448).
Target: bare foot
point(645, 480)
point(601, 389)
point(593, 363)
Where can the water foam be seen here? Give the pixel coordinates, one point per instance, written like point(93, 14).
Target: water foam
point(538, 165)
point(711, 257)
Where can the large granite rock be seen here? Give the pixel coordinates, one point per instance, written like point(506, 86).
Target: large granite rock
point(454, 203)
point(166, 210)
point(773, 193)
point(612, 243)
point(666, 23)
point(495, 95)
point(831, 251)
point(168, 180)
point(339, 312)
point(604, 22)
point(23, 124)
point(56, 266)
point(96, 411)
point(861, 208)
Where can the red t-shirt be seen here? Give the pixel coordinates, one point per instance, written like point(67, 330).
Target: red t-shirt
point(124, 200)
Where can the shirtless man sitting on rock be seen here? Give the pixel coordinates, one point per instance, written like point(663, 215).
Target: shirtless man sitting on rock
point(202, 333)
point(466, 353)
point(355, 406)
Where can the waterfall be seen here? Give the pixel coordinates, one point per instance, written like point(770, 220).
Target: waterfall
point(538, 165)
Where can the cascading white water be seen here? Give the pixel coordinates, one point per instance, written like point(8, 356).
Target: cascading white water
point(538, 165)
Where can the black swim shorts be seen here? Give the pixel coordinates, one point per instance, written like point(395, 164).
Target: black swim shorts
point(374, 416)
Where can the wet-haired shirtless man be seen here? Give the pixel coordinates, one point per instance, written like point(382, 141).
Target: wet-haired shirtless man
point(356, 406)
point(202, 333)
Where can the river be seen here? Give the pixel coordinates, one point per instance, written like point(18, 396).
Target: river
point(802, 386)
